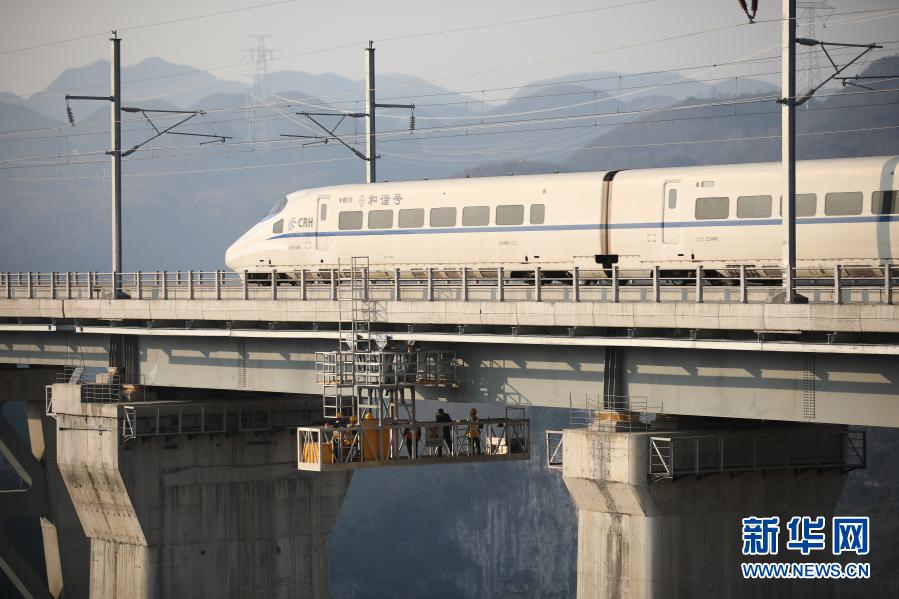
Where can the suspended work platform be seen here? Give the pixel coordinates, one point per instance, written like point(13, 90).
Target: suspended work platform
point(405, 443)
point(369, 404)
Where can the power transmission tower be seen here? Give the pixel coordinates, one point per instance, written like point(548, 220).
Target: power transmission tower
point(788, 145)
point(116, 153)
point(811, 14)
point(790, 99)
point(261, 54)
point(370, 155)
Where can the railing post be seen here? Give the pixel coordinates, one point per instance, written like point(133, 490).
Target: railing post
point(887, 284)
point(52, 285)
point(656, 292)
point(165, 285)
point(396, 285)
point(68, 285)
point(500, 284)
point(334, 275)
point(30, 287)
point(744, 292)
point(365, 287)
point(464, 283)
point(837, 291)
point(90, 285)
point(274, 284)
point(671, 454)
point(430, 284)
point(246, 285)
point(303, 284)
point(615, 285)
point(9, 290)
point(218, 284)
point(699, 288)
point(140, 287)
point(576, 284)
point(537, 285)
point(190, 284)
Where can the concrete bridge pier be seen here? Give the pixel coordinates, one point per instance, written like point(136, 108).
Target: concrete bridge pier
point(204, 515)
point(41, 497)
point(640, 538)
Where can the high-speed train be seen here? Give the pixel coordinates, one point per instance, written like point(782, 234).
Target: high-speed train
point(719, 217)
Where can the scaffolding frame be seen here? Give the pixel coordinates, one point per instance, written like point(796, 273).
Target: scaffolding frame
point(365, 378)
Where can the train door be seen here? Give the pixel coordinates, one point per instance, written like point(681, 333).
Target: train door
point(321, 222)
point(670, 212)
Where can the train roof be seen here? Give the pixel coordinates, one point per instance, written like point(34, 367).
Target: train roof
point(528, 181)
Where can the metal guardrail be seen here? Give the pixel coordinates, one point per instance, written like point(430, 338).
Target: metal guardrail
point(624, 413)
point(388, 368)
point(405, 443)
point(171, 420)
point(102, 387)
point(855, 284)
point(699, 455)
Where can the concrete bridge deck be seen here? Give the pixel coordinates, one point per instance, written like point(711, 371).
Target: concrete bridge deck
point(825, 317)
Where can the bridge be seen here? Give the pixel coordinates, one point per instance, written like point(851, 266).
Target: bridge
point(674, 377)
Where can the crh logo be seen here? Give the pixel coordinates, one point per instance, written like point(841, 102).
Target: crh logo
point(301, 222)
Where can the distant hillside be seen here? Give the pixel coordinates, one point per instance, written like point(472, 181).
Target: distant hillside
point(717, 136)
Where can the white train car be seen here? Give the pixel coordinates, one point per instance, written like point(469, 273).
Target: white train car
point(719, 217)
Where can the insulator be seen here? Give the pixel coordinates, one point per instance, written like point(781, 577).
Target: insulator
point(69, 115)
point(746, 9)
point(412, 123)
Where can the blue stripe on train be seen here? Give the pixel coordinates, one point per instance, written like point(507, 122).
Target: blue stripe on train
point(595, 226)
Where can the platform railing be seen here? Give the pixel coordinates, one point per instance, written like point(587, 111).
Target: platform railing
point(405, 442)
point(672, 457)
point(842, 283)
point(164, 419)
point(624, 413)
point(387, 368)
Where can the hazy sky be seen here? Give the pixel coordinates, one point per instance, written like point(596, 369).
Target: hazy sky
point(303, 26)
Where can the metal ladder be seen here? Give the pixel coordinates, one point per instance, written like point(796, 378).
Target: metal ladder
point(340, 397)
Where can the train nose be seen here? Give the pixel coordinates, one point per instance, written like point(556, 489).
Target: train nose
point(232, 255)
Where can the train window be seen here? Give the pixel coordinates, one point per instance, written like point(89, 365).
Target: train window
point(806, 204)
point(324, 213)
point(885, 202)
point(278, 227)
point(443, 217)
point(753, 206)
point(277, 207)
point(475, 216)
point(672, 199)
point(538, 214)
point(843, 203)
point(380, 219)
point(712, 208)
point(412, 218)
point(349, 220)
point(512, 214)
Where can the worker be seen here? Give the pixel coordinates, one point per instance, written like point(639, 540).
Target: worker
point(336, 438)
point(447, 426)
point(407, 437)
point(474, 432)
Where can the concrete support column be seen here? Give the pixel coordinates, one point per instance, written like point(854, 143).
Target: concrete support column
point(38, 498)
point(209, 516)
point(645, 540)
